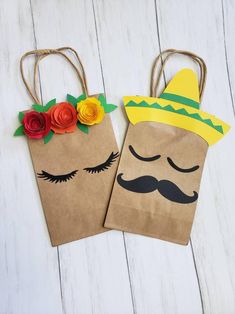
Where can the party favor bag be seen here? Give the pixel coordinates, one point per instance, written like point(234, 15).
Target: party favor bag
point(158, 178)
point(74, 155)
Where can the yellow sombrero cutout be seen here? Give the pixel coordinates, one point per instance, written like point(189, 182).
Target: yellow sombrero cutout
point(178, 106)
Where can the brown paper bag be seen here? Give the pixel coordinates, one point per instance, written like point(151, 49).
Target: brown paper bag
point(75, 173)
point(159, 174)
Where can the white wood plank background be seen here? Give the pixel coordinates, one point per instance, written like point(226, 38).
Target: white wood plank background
point(115, 272)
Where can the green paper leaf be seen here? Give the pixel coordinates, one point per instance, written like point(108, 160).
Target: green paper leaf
point(20, 116)
point(72, 99)
point(48, 137)
point(84, 128)
point(49, 104)
point(81, 97)
point(107, 107)
point(102, 99)
point(38, 108)
point(19, 131)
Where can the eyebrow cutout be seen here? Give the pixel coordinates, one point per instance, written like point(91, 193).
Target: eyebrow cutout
point(134, 153)
point(173, 165)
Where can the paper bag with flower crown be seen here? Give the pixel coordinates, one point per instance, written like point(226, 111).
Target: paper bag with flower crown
point(74, 155)
point(158, 177)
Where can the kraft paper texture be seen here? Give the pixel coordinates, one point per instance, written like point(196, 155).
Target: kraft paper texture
point(153, 214)
point(75, 209)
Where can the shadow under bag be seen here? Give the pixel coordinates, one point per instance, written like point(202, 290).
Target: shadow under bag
point(76, 159)
point(158, 177)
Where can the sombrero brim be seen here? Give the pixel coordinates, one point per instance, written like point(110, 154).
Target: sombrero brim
point(140, 109)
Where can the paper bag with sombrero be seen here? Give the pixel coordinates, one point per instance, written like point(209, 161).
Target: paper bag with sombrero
point(158, 178)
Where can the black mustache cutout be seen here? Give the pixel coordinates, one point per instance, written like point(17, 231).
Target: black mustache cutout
point(166, 188)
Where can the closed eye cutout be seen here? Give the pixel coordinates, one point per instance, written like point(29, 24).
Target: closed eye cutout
point(143, 158)
point(56, 178)
point(173, 165)
point(104, 166)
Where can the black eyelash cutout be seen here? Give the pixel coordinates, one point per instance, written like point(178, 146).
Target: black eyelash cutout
point(143, 158)
point(173, 165)
point(104, 166)
point(58, 178)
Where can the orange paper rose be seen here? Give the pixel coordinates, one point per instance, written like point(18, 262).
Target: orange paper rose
point(63, 118)
point(90, 111)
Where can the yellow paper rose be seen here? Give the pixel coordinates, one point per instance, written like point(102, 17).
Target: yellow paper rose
point(90, 111)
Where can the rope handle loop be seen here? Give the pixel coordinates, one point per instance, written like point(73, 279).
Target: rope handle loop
point(163, 57)
point(42, 53)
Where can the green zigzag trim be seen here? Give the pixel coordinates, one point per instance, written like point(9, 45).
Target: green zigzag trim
point(182, 111)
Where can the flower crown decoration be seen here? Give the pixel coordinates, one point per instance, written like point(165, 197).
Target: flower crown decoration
point(59, 118)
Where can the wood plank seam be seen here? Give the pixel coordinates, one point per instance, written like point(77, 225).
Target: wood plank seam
point(40, 88)
point(190, 243)
point(226, 58)
point(98, 46)
point(129, 274)
point(198, 279)
point(102, 74)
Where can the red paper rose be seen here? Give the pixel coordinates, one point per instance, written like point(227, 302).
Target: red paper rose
point(63, 118)
point(36, 124)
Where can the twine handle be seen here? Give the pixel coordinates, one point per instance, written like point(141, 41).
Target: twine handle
point(42, 53)
point(155, 80)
